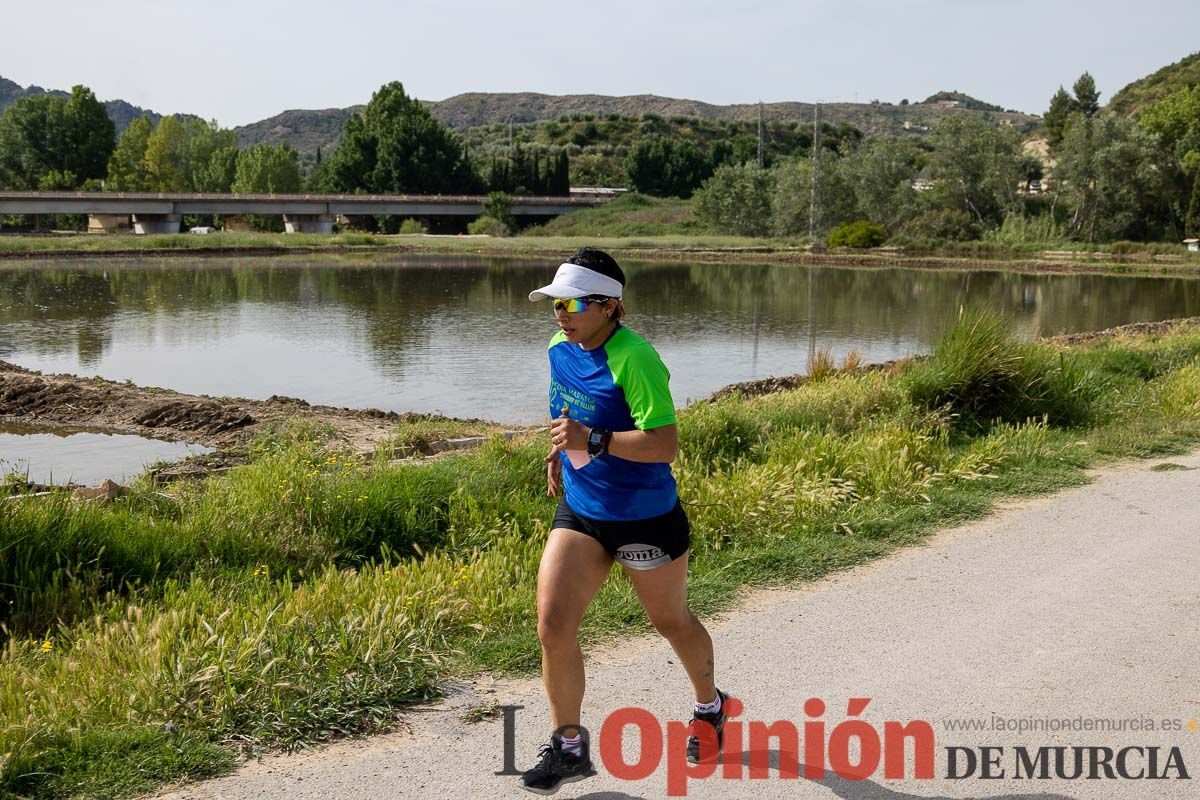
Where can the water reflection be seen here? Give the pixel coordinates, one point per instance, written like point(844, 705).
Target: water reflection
point(81, 456)
point(458, 336)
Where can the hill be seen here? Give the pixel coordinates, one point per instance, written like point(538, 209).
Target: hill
point(1149, 90)
point(121, 112)
point(965, 100)
point(308, 130)
point(305, 130)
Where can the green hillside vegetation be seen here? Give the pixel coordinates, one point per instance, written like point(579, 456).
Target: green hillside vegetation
point(876, 117)
point(599, 146)
point(1153, 88)
point(632, 214)
point(308, 130)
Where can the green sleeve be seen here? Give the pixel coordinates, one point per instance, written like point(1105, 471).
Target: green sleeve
point(637, 368)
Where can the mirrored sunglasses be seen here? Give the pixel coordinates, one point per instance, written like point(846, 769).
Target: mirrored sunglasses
point(573, 305)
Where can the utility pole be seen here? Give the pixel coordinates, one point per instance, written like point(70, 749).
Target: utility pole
point(816, 146)
point(760, 135)
point(812, 234)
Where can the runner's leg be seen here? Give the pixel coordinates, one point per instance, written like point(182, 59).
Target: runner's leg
point(573, 567)
point(663, 594)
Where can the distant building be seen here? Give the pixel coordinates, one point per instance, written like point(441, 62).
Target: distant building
point(1193, 245)
point(922, 182)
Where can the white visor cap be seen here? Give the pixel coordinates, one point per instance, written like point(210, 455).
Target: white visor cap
point(572, 280)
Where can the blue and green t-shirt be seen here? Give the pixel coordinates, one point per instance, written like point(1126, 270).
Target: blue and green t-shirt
point(620, 385)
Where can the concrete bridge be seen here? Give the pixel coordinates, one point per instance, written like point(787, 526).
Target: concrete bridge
point(302, 213)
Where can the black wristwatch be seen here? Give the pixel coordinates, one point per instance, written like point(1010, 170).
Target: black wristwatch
point(598, 441)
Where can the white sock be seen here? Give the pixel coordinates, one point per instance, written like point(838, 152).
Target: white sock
point(709, 708)
point(572, 744)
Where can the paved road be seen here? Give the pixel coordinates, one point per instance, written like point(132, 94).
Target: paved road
point(1081, 605)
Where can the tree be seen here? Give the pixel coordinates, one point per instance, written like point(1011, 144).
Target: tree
point(395, 146)
point(1191, 220)
point(29, 141)
point(737, 199)
point(220, 172)
point(1110, 177)
point(1175, 122)
point(90, 135)
point(1055, 118)
point(127, 165)
point(164, 157)
point(880, 174)
point(665, 168)
point(267, 169)
point(976, 167)
point(1087, 98)
point(791, 200)
point(46, 133)
point(202, 169)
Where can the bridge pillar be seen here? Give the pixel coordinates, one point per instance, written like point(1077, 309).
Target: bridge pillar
point(308, 223)
point(156, 223)
point(108, 223)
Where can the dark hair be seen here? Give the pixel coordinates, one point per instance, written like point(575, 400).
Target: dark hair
point(597, 261)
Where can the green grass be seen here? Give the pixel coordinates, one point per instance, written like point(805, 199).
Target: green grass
point(305, 595)
point(224, 240)
point(546, 242)
point(632, 214)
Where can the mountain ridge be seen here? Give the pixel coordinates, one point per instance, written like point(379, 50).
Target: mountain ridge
point(310, 130)
point(306, 130)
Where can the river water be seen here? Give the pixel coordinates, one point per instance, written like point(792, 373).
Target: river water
point(458, 336)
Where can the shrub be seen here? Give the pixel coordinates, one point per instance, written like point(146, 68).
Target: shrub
point(487, 226)
point(858, 234)
point(413, 226)
point(498, 206)
point(946, 224)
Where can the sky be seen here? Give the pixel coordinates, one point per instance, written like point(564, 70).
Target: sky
point(239, 61)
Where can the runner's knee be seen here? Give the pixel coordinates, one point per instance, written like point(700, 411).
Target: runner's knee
point(673, 625)
point(557, 628)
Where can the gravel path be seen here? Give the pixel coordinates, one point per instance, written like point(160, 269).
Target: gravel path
point(1081, 605)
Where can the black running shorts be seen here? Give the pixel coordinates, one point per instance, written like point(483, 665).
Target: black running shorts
point(637, 544)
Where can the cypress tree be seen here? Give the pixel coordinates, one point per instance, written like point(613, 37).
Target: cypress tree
point(1191, 223)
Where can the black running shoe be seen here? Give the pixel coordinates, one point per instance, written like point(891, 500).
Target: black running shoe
point(717, 720)
point(556, 767)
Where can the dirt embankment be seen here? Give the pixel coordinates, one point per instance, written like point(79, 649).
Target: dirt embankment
point(226, 424)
